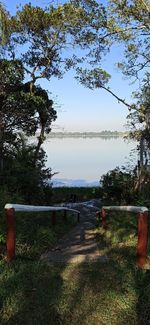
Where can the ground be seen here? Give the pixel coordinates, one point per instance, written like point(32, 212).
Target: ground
point(108, 290)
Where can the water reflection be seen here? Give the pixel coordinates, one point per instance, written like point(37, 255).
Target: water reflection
point(86, 158)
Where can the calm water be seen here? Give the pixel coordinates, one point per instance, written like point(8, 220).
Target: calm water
point(78, 159)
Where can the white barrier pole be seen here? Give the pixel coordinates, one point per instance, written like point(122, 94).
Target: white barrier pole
point(142, 214)
point(10, 219)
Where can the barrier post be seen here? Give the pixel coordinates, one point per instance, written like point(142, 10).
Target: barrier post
point(65, 215)
point(78, 217)
point(53, 218)
point(10, 240)
point(103, 214)
point(98, 217)
point(142, 238)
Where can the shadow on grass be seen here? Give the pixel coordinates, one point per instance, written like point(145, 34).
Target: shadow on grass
point(29, 289)
point(113, 293)
point(119, 242)
point(29, 293)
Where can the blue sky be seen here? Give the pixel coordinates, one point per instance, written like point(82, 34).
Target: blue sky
point(81, 109)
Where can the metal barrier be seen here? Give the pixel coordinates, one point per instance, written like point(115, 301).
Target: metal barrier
point(142, 214)
point(10, 210)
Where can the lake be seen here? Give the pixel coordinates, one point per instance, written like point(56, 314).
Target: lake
point(82, 161)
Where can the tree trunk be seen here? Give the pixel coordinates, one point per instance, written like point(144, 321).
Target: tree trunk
point(143, 176)
point(40, 141)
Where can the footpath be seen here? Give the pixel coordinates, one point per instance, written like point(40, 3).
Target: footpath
point(80, 244)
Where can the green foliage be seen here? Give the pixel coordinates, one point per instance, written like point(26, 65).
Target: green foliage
point(96, 78)
point(35, 233)
point(89, 30)
point(7, 197)
point(4, 19)
point(11, 75)
point(128, 23)
point(46, 236)
point(118, 186)
point(22, 111)
point(23, 177)
point(63, 194)
point(139, 124)
point(25, 107)
point(113, 292)
point(77, 23)
point(139, 118)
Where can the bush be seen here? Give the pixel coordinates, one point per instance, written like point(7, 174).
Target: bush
point(118, 186)
point(6, 197)
point(25, 178)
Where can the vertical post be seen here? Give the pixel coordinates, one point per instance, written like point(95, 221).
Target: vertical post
point(142, 238)
point(65, 215)
point(103, 214)
point(78, 218)
point(98, 217)
point(10, 240)
point(53, 218)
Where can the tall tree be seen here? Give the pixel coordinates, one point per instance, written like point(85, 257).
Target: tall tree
point(44, 43)
point(21, 110)
point(128, 24)
point(59, 37)
point(49, 38)
point(139, 125)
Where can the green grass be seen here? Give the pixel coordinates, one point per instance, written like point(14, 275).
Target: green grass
point(34, 292)
point(35, 233)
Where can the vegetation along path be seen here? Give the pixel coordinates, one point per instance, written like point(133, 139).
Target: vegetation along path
point(46, 290)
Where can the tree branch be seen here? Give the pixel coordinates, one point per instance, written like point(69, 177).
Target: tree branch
point(123, 30)
point(118, 98)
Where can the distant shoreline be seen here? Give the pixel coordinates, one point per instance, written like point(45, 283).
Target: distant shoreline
point(103, 134)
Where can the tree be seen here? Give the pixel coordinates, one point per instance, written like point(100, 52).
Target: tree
point(84, 25)
point(4, 17)
point(129, 23)
point(37, 47)
point(132, 19)
point(21, 110)
point(118, 186)
point(45, 36)
point(98, 78)
point(28, 181)
point(139, 124)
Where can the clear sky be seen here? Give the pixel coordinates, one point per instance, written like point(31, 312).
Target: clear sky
point(81, 109)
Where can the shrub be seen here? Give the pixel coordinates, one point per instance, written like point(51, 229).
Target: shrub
point(118, 186)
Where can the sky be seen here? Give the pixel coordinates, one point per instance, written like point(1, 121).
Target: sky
point(81, 109)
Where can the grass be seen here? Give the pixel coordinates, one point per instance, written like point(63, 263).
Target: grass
point(35, 233)
point(34, 292)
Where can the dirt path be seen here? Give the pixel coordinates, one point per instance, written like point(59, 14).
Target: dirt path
point(79, 245)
